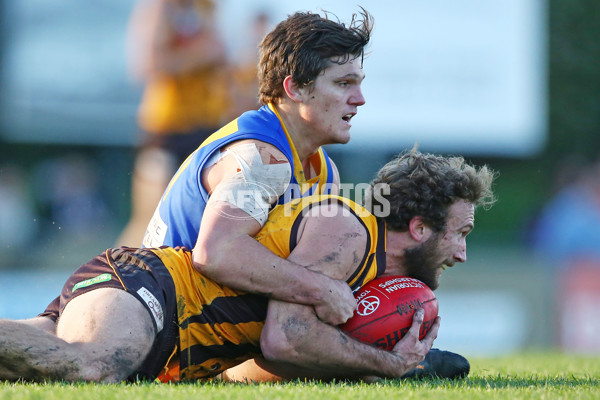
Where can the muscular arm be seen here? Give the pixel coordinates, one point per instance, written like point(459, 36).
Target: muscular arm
point(294, 336)
point(227, 252)
point(319, 350)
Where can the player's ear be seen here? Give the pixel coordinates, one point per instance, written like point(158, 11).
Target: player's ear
point(418, 229)
point(291, 89)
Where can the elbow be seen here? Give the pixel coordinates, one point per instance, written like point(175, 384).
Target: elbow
point(275, 346)
point(208, 257)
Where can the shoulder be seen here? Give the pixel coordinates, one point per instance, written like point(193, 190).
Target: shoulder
point(268, 152)
point(261, 165)
point(261, 125)
point(334, 237)
point(334, 216)
point(262, 117)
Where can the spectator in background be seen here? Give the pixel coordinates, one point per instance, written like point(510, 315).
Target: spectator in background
point(568, 227)
point(177, 52)
point(566, 236)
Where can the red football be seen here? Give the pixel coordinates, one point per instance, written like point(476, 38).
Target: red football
point(385, 308)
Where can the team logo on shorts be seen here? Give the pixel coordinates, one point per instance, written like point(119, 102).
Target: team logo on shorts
point(91, 281)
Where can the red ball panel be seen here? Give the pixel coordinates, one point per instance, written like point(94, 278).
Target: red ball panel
point(385, 307)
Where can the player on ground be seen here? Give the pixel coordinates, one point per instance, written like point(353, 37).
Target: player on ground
point(122, 313)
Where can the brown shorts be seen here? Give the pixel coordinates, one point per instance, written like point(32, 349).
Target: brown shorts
point(141, 273)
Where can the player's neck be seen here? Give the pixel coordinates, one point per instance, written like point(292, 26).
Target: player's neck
point(303, 141)
point(396, 244)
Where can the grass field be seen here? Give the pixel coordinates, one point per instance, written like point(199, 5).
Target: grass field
point(523, 376)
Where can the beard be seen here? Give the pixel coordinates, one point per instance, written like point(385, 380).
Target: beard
point(421, 262)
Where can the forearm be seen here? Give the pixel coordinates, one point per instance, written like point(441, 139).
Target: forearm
point(329, 355)
point(293, 335)
point(244, 264)
point(227, 252)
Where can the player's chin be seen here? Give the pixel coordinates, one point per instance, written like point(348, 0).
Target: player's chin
point(342, 135)
point(434, 283)
point(433, 280)
point(343, 138)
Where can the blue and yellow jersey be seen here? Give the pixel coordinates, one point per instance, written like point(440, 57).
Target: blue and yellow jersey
point(176, 221)
point(220, 327)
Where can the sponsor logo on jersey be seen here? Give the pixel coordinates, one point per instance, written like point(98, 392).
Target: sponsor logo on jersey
point(156, 231)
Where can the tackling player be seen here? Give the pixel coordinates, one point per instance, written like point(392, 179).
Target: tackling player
point(310, 75)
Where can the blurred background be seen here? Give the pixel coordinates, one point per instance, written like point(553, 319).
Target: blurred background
point(512, 84)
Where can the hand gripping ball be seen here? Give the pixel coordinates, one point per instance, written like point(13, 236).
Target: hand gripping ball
point(385, 308)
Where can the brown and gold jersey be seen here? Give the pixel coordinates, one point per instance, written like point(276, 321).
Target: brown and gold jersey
point(220, 327)
point(280, 233)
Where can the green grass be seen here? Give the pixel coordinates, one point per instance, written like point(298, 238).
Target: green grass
point(523, 376)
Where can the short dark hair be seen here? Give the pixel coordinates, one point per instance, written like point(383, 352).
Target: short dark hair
point(426, 185)
point(303, 45)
